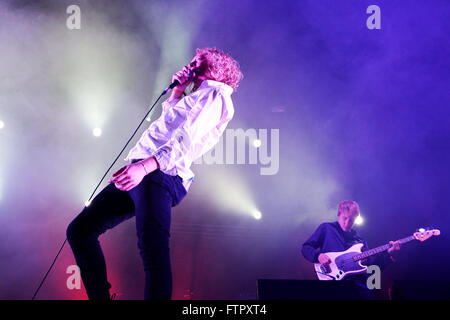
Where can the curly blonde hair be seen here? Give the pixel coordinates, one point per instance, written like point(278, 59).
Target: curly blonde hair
point(221, 67)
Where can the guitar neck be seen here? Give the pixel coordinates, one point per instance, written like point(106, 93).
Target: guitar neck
point(379, 249)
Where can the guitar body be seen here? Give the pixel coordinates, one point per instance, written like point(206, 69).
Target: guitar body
point(342, 264)
point(348, 262)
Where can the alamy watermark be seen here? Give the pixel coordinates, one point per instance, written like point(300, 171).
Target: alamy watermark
point(74, 19)
point(74, 280)
point(374, 20)
point(374, 280)
point(236, 146)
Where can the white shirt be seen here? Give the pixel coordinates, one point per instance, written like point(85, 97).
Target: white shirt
point(186, 129)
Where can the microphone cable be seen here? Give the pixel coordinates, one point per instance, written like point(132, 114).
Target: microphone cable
point(176, 82)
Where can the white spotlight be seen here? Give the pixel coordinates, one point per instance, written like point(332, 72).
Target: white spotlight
point(359, 220)
point(2, 124)
point(87, 203)
point(257, 214)
point(257, 143)
point(97, 132)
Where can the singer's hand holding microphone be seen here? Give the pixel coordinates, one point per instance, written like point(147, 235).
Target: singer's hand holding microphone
point(184, 78)
point(180, 80)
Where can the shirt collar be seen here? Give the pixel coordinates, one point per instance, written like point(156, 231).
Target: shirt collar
point(216, 84)
point(352, 231)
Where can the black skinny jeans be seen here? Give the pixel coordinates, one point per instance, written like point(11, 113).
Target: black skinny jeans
point(150, 202)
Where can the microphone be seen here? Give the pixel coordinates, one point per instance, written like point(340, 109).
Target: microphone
point(176, 82)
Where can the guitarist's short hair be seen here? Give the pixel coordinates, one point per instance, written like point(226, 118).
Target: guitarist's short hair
point(348, 206)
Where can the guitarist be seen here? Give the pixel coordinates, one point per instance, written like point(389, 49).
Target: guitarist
point(339, 236)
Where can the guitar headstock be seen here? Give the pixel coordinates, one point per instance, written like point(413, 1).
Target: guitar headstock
point(423, 234)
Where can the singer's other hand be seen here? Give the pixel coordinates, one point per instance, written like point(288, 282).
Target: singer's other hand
point(128, 177)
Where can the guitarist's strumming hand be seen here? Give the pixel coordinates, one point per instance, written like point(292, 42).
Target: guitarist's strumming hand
point(324, 259)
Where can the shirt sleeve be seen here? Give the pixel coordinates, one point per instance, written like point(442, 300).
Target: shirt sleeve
point(159, 128)
point(171, 131)
point(208, 120)
point(162, 126)
point(311, 248)
point(206, 115)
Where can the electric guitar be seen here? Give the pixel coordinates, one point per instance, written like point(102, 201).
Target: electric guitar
point(348, 262)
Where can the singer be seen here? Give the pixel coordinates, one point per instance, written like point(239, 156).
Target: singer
point(158, 175)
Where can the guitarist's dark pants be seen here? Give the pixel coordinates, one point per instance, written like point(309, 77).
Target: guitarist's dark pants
point(150, 202)
point(361, 291)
